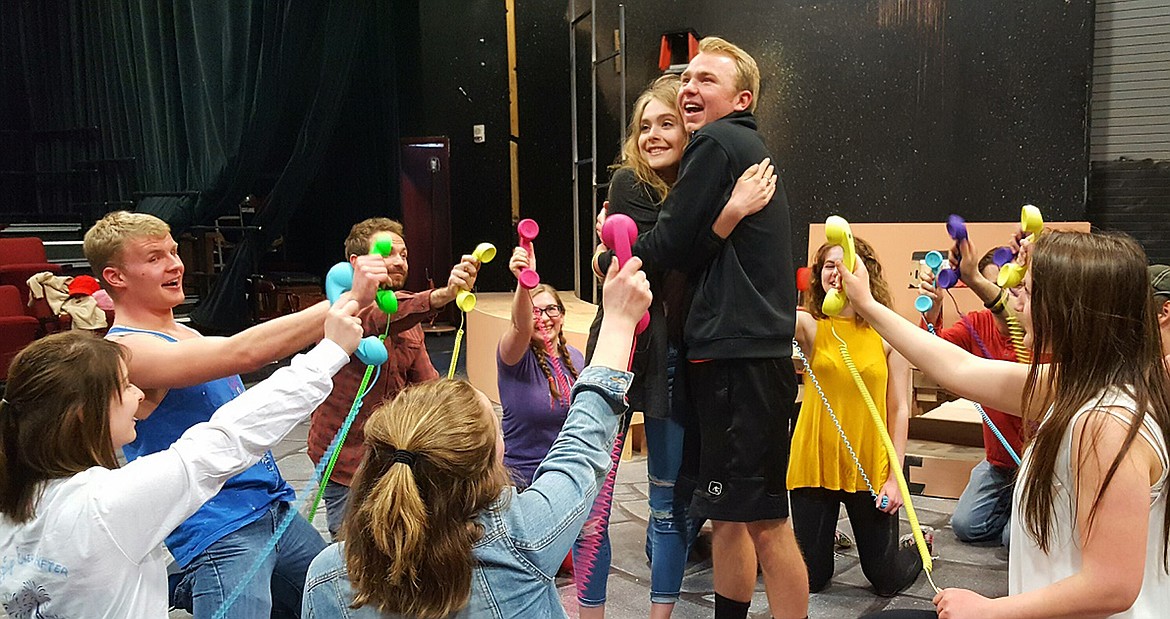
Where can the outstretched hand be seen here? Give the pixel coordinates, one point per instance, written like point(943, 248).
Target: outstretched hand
point(856, 285)
point(626, 294)
point(342, 324)
point(521, 260)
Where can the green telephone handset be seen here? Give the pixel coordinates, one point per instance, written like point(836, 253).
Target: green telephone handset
point(837, 232)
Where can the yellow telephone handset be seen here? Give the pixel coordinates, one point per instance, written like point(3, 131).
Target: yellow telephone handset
point(1032, 222)
point(837, 232)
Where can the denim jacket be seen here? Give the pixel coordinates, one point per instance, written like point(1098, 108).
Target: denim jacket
point(526, 534)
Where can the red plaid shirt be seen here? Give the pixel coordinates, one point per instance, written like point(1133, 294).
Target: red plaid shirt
point(408, 364)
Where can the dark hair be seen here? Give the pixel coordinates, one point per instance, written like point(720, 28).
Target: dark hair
point(56, 419)
point(410, 527)
point(1091, 314)
point(987, 260)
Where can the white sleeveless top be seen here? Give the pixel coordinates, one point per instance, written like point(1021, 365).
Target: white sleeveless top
point(1030, 568)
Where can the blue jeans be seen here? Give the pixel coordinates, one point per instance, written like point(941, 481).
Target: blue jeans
point(336, 498)
point(668, 533)
point(985, 508)
point(275, 591)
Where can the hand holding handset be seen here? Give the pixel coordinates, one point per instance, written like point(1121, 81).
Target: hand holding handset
point(957, 230)
point(484, 253)
point(934, 262)
point(1012, 273)
point(340, 279)
point(528, 229)
point(837, 232)
point(619, 233)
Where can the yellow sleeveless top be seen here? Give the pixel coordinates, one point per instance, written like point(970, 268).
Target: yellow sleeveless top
point(819, 458)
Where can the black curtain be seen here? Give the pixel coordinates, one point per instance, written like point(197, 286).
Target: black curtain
point(200, 94)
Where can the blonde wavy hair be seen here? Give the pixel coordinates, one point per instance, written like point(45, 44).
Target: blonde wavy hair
point(665, 91)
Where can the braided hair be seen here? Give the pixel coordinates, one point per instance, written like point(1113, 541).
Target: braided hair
point(541, 352)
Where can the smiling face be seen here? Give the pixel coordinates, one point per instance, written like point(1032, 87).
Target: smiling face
point(149, 273)
point(123, 406)
point(829, 275)
point(544, 304)
point(709, 90)
point(396, 264)
point(661, 137)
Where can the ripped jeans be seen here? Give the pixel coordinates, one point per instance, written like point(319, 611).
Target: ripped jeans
point(668, 533)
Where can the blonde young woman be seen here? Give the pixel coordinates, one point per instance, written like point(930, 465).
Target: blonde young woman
point(1089, 518)
point(649, 165)
point(436, 528)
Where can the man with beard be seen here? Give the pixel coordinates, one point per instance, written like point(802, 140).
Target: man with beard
point(408, 360)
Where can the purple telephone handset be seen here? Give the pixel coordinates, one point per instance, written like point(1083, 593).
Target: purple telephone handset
point(619, 234)
point(957, 229)
point(528, 229)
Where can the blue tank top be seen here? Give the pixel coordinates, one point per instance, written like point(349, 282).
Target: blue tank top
point(243, 499)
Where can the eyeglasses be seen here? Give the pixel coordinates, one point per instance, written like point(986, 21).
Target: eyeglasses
point(552, 311)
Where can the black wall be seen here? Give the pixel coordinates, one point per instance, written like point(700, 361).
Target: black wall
point(896, 110)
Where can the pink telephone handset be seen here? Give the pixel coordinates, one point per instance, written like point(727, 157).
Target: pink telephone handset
point(619, 233)
point(528, 229)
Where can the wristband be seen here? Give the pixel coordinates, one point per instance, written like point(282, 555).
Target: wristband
point(991, 305)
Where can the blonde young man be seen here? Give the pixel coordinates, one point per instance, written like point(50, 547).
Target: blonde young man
point(739, 377)
point(185, 378)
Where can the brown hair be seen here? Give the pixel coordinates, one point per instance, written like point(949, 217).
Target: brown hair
point(815, 295)
point(1091, 313)
point(55, 421)
point(358, 241)
point(747, 72)
point(410, 527)
point(665, 91)
point(541, 351)
point(104, 241)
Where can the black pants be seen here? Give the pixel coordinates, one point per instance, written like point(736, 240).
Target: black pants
point(814, 519)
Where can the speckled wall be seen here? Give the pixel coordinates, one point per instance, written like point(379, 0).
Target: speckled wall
point(897, 110)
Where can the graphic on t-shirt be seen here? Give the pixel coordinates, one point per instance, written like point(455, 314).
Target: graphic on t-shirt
point(26, 603)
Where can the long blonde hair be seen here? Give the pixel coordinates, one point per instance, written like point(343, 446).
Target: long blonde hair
point(665, 91)
point(410, 527)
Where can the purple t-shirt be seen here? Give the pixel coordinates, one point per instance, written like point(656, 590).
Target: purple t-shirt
point(532, 420)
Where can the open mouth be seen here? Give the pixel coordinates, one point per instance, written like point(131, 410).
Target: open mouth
point(174, 283)
point(657, 150)
point(692, 108)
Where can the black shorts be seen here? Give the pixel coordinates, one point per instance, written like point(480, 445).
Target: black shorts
point(743, 408)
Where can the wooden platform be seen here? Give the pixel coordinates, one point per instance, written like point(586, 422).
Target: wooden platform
point(492, 317)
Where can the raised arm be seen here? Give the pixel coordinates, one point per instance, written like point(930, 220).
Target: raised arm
point(156, 364)
point(142, 502)
point(515, 340)
point(566, 483)
point(997, 384)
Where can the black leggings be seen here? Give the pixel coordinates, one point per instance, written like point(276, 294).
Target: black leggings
point(814, 519)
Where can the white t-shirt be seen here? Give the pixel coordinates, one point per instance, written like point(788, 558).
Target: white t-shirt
point(94, 548)
point(1030, 568)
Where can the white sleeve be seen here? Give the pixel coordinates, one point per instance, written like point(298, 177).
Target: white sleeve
point(142, 502)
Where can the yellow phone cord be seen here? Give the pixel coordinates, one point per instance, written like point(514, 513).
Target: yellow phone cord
point(895, 466)
point(455, 351)
point(1016, 331)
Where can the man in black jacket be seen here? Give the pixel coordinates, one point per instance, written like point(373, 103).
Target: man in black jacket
point(738, 335)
